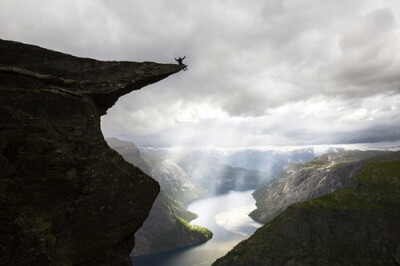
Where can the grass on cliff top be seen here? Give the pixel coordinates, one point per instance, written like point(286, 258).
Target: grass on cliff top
point(204, 232)
point(377, 188)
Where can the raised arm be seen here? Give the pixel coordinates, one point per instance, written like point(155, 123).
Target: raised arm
point(184, 57)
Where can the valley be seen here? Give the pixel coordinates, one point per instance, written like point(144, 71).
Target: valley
point(204, 206)
point(211, 205)
point(226, 216)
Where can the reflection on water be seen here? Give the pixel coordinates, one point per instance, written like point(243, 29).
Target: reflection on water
point(226, 216)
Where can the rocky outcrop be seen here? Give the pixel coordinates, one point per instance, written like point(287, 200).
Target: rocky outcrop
point(66, 197)
point(167, 226)
point(301, 182)
point(358, 225)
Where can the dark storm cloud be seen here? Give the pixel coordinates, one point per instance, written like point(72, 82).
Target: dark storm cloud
point(255, 67)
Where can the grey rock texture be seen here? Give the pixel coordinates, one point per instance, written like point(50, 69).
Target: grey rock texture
point(66, 198)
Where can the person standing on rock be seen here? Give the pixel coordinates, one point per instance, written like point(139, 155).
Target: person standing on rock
point(179, 60)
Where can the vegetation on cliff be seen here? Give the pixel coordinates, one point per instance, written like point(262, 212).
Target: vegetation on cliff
point(200, 231)
point(358, 225)
point(304, 181)
point(167, 226)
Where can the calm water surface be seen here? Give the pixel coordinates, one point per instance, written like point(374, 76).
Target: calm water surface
point(226, 216)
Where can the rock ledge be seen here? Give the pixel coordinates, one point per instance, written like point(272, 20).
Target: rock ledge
point(66, 197)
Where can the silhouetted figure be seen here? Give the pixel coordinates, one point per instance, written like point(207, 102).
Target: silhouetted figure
point(179, 60)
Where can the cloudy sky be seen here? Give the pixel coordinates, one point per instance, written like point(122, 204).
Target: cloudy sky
point(261, 72)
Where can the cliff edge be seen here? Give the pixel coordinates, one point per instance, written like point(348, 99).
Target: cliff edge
point(65, 196)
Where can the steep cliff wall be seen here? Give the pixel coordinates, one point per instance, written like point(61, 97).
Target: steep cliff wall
point(65, 196)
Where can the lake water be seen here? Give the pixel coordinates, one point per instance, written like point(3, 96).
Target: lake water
point(226, 216)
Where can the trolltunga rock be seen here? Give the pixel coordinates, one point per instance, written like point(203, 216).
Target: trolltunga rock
point(66, 197)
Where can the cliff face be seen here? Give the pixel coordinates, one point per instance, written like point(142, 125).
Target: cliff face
point(301, 182)
point(358, 225)
point(65, 196)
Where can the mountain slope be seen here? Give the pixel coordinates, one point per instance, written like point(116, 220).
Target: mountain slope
point(167, 226)
point(358, 225)
point(300, 182)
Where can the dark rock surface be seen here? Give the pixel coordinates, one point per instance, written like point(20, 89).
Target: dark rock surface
point(358, 225)
point(66, 197)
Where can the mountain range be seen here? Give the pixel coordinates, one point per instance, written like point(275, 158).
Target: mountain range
point(356, 224)
point(188, 175)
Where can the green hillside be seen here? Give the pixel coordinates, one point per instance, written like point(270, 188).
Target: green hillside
point(359, 225)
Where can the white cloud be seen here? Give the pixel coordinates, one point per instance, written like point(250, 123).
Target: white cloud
point(260, 72)
point(320, 120)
